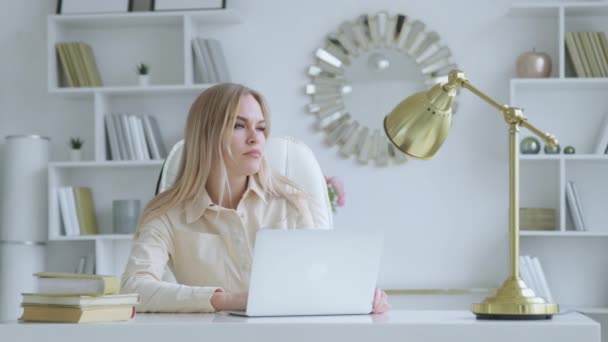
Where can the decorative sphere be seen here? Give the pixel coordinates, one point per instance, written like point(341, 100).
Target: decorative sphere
point(533, 64)
point(549, 149)
point(569, 150)
point(529, 145)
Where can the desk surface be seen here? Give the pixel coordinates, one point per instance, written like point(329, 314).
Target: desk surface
point(396, 325)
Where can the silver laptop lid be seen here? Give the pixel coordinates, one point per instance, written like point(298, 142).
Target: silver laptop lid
point(313, 272)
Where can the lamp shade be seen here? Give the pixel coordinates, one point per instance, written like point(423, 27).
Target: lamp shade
point(419, 124)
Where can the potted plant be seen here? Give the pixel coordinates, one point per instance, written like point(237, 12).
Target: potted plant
point(143, 71)
point(76, 149)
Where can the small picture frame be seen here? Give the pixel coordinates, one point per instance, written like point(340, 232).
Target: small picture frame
point(140, 5)
point(92, 6)
point(187, 5)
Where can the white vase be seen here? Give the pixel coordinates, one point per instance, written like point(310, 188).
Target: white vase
point(76, 154)
point(144, 80)
point(23, 218)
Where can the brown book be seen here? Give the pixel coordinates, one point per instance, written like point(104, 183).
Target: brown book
point(75, 314)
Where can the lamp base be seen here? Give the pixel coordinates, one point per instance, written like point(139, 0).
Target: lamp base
point(514, 301)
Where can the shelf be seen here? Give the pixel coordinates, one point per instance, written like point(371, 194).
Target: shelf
point(88, 92)
point(555, 83)
point(551, 9)
point(589, 310)
point(586, 9)
point(534, 10)
point(562, 233)
point(109, 163)
point(539, 157)
point(130, 19)
point(92, 237)
point(566, 157)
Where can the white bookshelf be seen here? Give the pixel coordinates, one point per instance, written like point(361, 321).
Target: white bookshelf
point(572, 109)
point(119, 42)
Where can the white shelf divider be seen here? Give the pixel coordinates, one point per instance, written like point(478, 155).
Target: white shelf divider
point(562, 234)
point(93, 237)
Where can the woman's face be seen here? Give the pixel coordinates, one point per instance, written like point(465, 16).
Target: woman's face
point(248, 139)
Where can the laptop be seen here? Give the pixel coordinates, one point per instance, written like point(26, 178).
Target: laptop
point(313, 272)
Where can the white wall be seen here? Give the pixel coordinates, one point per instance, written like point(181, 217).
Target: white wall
point(445, 220)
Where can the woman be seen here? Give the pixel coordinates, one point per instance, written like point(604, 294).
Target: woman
point(205, 223)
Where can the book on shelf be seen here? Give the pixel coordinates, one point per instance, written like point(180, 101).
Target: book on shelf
point(85, 210)
point(588, 53)
point(53, 283)
point(76, 314)
point(574, 206)
point(532, 273)
point(537, 218)
point(601, 142)
point(86, 264)
point(77, 211)
point(218, 60)
point(77, 66)
point(209, 61)
point(113, 150)
point(133, 137)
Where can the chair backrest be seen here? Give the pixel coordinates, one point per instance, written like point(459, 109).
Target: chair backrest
point(286, 155)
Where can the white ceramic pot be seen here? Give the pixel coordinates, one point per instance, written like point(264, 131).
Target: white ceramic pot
point(144, 80)
point(76, 155)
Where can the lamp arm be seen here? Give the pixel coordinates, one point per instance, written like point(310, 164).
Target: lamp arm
point(467, 85)
point(511, 115)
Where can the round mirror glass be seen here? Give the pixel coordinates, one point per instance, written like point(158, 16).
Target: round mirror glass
point(365, 69)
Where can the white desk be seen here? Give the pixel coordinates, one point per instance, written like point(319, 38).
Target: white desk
point(397, 325)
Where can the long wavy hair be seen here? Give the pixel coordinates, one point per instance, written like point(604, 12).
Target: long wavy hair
point(208, 133)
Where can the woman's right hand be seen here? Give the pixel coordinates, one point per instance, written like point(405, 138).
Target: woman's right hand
point(233, 301)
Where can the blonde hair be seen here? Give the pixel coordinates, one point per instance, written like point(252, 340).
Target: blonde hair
point(209, 128)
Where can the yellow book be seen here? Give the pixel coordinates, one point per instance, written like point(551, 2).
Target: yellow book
point(76, 284)
point(80, 301)
point(574, 55)
point(601, 50)
point(94, 68)
point(62, 64)
point(588, 48)
point(78, 66)
point(85, 210)
point(87, 64)
point(74, 314)
point(66, 62)
point(581, 51)
point(603, 43)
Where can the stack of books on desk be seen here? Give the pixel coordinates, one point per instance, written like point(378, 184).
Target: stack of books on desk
point(77, 298)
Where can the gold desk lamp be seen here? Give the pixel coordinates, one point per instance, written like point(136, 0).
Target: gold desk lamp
point(418, 126)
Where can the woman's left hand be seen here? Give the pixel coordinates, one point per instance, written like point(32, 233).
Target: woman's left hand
point(380, 303)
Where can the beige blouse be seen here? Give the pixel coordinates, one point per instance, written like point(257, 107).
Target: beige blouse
point(206, 246)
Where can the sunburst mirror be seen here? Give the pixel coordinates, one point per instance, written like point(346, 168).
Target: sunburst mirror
point(366, 68)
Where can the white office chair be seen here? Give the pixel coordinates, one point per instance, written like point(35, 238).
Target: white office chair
point(286, 155)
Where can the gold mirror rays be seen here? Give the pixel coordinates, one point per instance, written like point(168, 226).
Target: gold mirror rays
point(329, 85)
